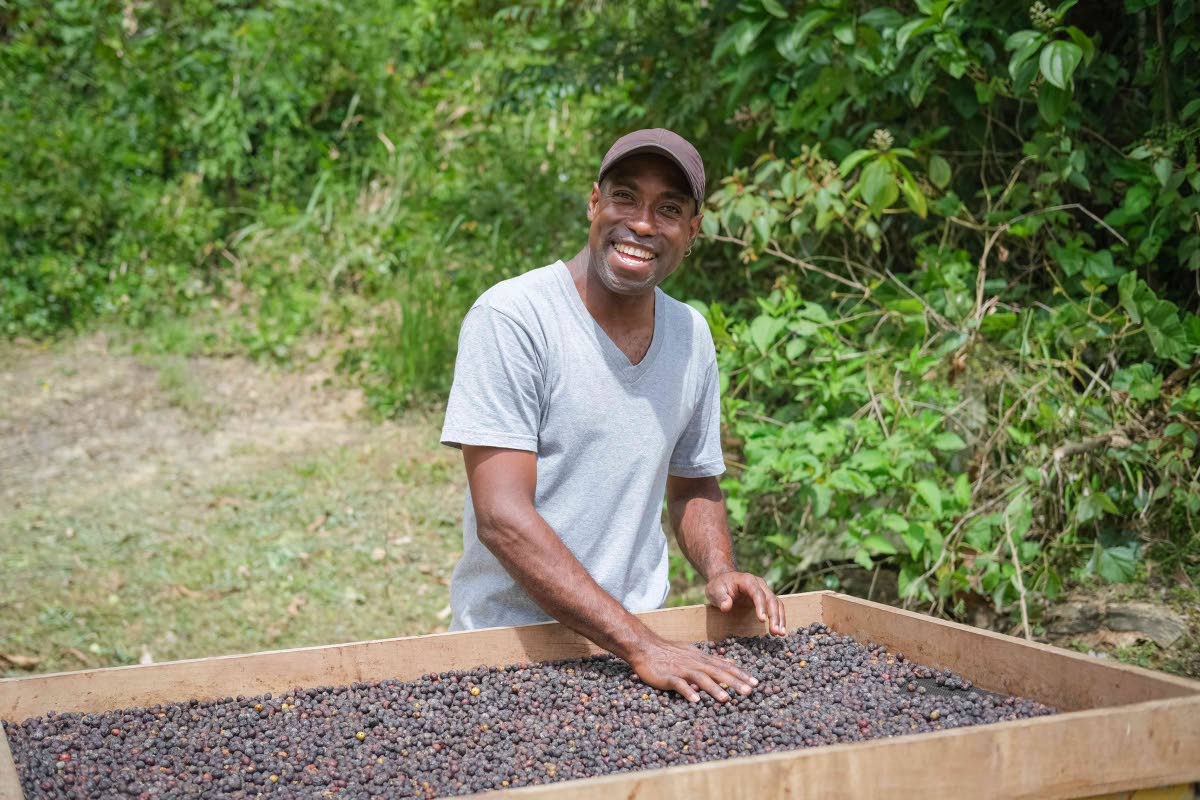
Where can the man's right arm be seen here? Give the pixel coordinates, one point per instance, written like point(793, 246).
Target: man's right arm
point(502, 483)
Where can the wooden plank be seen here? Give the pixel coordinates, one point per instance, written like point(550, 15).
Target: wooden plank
point(403, 659)
point(1064, 756)
point(10, 784)
point(1145, 744)
point(1179, 792)
point(1061, 678)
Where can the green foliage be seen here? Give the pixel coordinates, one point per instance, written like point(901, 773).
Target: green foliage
point(361, 168)
point(972, 357)
point(954, 246)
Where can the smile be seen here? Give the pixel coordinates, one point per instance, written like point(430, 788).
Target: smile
point(633, 252)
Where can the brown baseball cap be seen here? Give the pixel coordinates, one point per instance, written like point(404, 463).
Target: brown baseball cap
point(665, 143)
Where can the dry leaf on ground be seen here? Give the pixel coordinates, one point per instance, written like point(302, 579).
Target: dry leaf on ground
point(20, 662)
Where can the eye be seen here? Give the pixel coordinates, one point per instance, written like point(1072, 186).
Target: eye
point(623, 194)
point(672, 210)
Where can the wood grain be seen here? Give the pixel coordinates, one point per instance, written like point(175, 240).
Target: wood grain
point(1064, 679)
point(401, 659)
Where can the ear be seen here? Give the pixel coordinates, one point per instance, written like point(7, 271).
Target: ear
point(694, 226)
point(593, 200)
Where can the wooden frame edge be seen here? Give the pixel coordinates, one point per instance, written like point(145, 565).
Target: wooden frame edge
point(1026, 759)
point(404, 657)
point(10, 783)
point(1004, 663)
point(1174, 720)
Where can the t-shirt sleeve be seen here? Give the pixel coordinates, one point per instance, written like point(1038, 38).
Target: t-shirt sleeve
point(495, 400)
point(698, 454)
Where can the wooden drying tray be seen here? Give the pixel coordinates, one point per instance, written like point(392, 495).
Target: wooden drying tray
point(1121, 728)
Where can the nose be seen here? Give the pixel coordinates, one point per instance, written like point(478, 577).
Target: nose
point(642, 221)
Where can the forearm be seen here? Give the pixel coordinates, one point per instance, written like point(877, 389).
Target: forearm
point(550, 574)
point(697, 510)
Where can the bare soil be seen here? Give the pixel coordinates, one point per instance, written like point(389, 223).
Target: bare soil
point(78, 421)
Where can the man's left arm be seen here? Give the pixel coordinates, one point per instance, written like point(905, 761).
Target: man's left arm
point(697, 510)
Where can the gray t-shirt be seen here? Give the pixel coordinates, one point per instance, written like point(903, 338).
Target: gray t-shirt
point(536, 372)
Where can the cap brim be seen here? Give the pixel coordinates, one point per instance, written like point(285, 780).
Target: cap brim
point(660, 150)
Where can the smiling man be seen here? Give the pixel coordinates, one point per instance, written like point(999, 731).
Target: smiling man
point(582, 395)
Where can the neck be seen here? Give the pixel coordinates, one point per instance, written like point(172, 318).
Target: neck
point(604, 304)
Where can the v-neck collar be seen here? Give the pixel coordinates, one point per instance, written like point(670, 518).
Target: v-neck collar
point(607, 347)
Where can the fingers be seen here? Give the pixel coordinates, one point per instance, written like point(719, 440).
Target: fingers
point(733, 675)
point(690, 672)
point(768, 607)
point(760, 601)
point(776, 622)
point(780, 616)
point(707, 684)
point(723, 593)
point(720, 596)
point(725, 671)
point(688, 690)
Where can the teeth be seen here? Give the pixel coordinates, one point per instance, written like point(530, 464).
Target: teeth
point(636, 252)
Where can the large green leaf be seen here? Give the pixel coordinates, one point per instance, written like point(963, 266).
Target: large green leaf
point(948, 440)
point(1093, 506)
point(790, 43)
point(1115, 564)
point(1023, 44)
point(928, 491)
point(911, 29)
point(1159, 318)
point(863, 558)
point(913, 195)
point(763, 331)
point(774, 9)
point(1058, 62)
point(853, 160)
point(739, 37)
point(1164, 329)
point(879, 188)
point(1126, 288)
point(914, 539)
point(1052, 103)
point(939, 171)
point(877, 544)
point(1163, 169)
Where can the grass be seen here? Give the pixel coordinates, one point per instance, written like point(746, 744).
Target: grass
point(184, 392)
point(347, 533)
point(314, 553)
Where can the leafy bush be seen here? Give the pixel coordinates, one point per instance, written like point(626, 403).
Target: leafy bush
point(968, 359)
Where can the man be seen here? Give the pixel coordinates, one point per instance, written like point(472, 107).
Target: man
point(581, 394)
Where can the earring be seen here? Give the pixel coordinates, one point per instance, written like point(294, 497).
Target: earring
point(687, 252)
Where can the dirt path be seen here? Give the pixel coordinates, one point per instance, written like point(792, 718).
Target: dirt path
point(161, 507)
point(77, 421)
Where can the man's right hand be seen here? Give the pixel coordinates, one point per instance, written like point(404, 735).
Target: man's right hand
point(684, 669)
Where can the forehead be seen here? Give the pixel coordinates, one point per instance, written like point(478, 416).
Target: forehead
point(647, 170)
